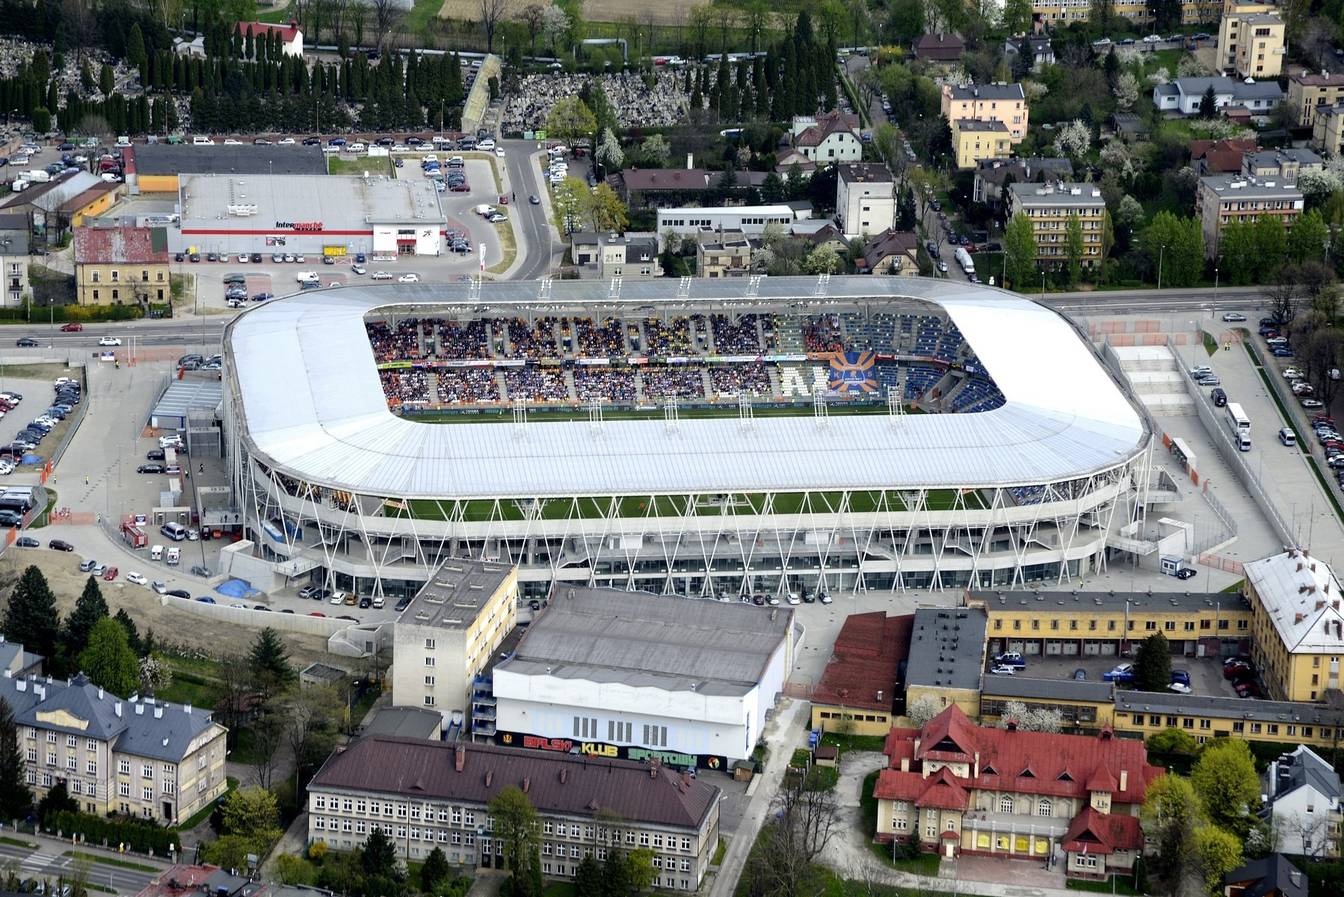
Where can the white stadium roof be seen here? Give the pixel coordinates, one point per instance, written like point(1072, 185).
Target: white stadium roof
point(314, 406)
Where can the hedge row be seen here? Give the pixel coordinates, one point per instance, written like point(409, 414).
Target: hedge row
point(62, 313)
point(139, 837)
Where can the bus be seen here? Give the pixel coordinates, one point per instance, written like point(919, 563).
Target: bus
point(1239, 425)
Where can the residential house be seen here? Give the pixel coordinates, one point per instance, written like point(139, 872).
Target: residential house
point(1285, 164)
point(1224, 156)
point(606, 255)
point(722, 253)
point(120, 265)
point(1298, 632)
point(828, 138)
point(1301, 800)
point(960, 789)
point(865, 198)
point(1250, 40)
point(860, 689)
point(945, 48)
point(890, 252)
point(15, 233)
point(291, 36)
point(974, 141)
point(449, 632)
point(1038, 45)
point(137, 757)
point(1004, 103)
point(1224, 199)
point(662, 186)
point(16, 662)
point(992, 174)
point(1309, 92)
point(1049, 207)
point(54, 207)
point(429, 794)
point(1184, 95)
point(1271, 876)
point(820, 232)
point(1129, 126)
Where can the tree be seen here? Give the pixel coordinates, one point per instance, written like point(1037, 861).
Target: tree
point(1172, 742)
point(804, 819)
point(639, 871)
point(1152, 664)
point(108, 660)
point(1073, 248)
point(1169, 816)
point(1073, 139)
point(606, 210)
point(1308, 238)
point(823, 259)
point(1216, 853)
point(1017, 16)
point(532, 16)
point(1174, 248)
point(269, 663)
point(555, 25)
point(41, 120)
point(1126, 91)
point(1019, 244)
point(1208, 104)
point(31, 618)
point(89, 609)
point(492, 11)
point(154, 674)
point(1225, 780)
point(16, 800)
point(587, 877)
point(570, 199)
point(516, 826)
point(385, 12)
point(435, 872)
point(772, 188)
point(569, 118)
point(1283, 300)
point(295, 870)
point(378, 859)
point(132, 633)
point(56, 800)
point(249, 811)
point(655, 150)
point(311, 716)
point(107, 82)
point(609, 154)
point(1031, 719)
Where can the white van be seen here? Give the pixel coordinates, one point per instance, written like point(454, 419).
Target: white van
point(37, 175)
point(174, 556)
point(306, 277)
point(156, 553)
point(199, 140)
point(175, 531)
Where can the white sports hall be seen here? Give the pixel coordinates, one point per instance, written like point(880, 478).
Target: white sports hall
point(735, 438)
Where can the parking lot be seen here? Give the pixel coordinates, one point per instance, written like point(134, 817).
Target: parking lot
point(1206, 673)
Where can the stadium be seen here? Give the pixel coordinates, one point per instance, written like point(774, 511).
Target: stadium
point(735, 438)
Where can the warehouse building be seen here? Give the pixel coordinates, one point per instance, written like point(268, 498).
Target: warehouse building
point(311, 214)
point(623, 674)
point(157, 167)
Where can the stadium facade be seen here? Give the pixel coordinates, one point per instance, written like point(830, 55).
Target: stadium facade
point(996, 450)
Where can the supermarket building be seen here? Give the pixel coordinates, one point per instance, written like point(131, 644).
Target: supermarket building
point(310, 214)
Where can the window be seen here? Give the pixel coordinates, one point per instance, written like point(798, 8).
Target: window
point(90, 744)
point(429, 644)
point(1006, 804)
point(116, 276)
point(147, 793)
point(429, 661)
point(429, 680)
point(51, 758)
point(71, 741)
point(1043, 807)
point(124, 767)
point(91, 767)
point(147, 771)
point(429, 700)
point(124, 789)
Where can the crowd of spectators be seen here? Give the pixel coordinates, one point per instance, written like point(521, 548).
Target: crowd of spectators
point(406, 386)
point(463, 340)
point(673, 382)
point(736, 338)
point(823, 334)
point(401, 344)
point(733, 380)
point(667, 337)
point(633, 101)
point(535, 384)
point(599, 340)
point(612, 384)
point(532, 341)
point(466, 386)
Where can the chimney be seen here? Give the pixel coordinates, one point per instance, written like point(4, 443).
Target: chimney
point(22, 685)
point(459, 758)
point(489, 777)
point(880, 693)
point(905, 764)
point(690, 161)
point(116, 708)
point(1297, 618)
point(1124, 780)
point(653, 768)
point(139, 709)
point(158, 711)
point(527, 784)
point(100, 693)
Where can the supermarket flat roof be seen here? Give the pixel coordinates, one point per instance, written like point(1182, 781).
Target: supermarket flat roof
point(214, 203)
point(184, 159)
point(312, 403)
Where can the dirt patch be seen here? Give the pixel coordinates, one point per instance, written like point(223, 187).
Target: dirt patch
point(62, 572)
point(669, 12)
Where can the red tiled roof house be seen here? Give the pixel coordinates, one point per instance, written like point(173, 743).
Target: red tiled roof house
point(857, 691)
point(291, 36)
point(959, 788)
point(121, 265)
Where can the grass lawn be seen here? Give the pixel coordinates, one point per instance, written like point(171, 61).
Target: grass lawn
point(1167, 59)
point(1235, 587)
point(39, 371)
point(718, 853)
point(1210, 344)
point(848, 743)
point(194, 682)
point(230, 783)
point(422, 13)
point(15, 842)
point(1116, 884)
point(357, 166)
point(110, 861)
point(507, 245)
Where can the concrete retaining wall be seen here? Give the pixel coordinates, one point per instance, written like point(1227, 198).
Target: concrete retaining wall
point(323, 627)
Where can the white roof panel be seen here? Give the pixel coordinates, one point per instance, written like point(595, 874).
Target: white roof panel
point(314, 404)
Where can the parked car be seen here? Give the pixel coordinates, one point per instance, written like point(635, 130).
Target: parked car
point(1233, 316)
point(137, 578)
point(110, 574)
point(60, 545)
point(1001, 669)
point(1011, 658)
point(27, 542)
point(72, 327)
point(1121, 673)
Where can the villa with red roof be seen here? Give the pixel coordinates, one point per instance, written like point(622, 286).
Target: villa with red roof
point(959, 788)
point(291, 37)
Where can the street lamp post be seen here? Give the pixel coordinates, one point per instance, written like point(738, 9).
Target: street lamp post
point(1161, 251)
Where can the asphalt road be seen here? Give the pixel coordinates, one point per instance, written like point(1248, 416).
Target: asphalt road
point(542, 252)
point(47, 862)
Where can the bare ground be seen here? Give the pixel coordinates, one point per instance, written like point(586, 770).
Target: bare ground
point(144, 607)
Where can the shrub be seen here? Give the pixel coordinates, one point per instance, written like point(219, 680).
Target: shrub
point(139, 837)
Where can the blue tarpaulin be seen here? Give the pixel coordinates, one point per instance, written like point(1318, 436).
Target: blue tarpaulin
point(237, 588)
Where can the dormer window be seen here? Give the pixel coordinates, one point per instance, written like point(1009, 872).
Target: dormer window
point(1064, 777)
point(1026, 773)
point(989, 771)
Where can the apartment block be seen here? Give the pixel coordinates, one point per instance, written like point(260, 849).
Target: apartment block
point(121, 265)
point(449, 632)
point(1049, 207)
point(1061, 13)
point(428, 794)
point(1299, 629)
point(865, 199)
point(722, 254)
point(15, 236)
point(1224, 199)
point(1327, 130)
point(1309, 92)
point(974, 141)
point(1004, 103)
point(1250, 40)
point(138, 757)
